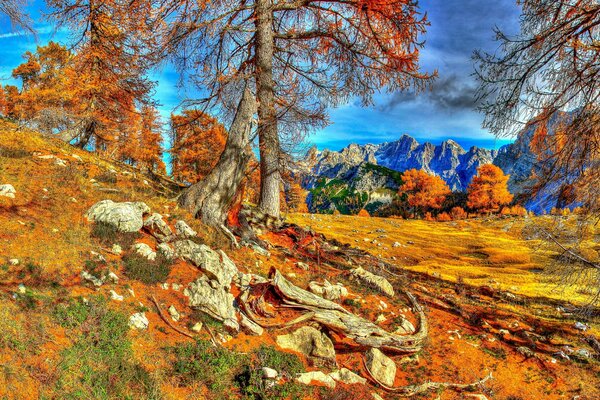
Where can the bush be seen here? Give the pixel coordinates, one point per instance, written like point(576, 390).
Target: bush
point(518, 211)
point(444, 217)
point(147, 271)
point(363, 213)
point(428, 217)
point(458, 213)
point(107, 177)
point(108, 235)
point(98, 365)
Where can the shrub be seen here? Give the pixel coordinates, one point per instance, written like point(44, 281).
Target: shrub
point(458, 213)
point(428, 217)
point(363, 213)
point(147, 271)
point(506, 211)
point(518, 211)
point(108, 235)
point(444, 217)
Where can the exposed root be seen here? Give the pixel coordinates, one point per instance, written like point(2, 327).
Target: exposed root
point(166, 320)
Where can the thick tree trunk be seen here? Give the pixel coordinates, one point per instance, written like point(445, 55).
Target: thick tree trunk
point(267, 120)
point(211, 198)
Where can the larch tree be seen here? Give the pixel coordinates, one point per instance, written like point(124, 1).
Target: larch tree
point(197, 140)
point(111, 43)
point(14, 10)
point(425, 192)
point(488, 191)
point(298, 57)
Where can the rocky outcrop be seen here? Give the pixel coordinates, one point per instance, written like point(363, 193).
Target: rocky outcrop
point(375, 281)
point(381, 367)
point(125, 217)
point(211, 298)
point(158, 228)
point(215, 264)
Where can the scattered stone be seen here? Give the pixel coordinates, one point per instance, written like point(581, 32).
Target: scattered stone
point(250, 326)
point(157, 226)
point(166, 250)
point(13, 261)
point(165, 286)
point(7, 190)
point(211, 298)
point(175, 316)
point(116, 249)
point(131, 292)
point(197, 327)
point(381, 367)
point(259, 250)
point(144, 250)
point(396, 244)
point(126, 217)
point(96, 256)
point(380, 318)
point(115, 296)
point(348, 377)
point(583, 353)
point(176, 287)
point(379, 282)
point(525, 351)
point(269, 373)
point(217, 265)
point(580, 326)
point(327, 290)
point(308, 341)
point(139, 321)
point(317, 376)
point(376, 396)
point(91, 278)
point(183, 230)
point(302, 266)
point(112, 277)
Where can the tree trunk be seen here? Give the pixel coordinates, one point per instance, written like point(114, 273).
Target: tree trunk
point(267, 120)
point(211, 198)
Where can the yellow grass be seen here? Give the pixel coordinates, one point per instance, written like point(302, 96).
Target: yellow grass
point(480, 252)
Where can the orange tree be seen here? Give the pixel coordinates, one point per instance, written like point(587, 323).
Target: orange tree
point(488, 191)
point(424, 192)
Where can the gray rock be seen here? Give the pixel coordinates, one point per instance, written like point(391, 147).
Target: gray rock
point(327, 290)
point(308, 341)
point(215, 264)
point(197, 327)
point(250, 326)
point(396, 244)
point(139, 321)
point(115, 296)
point(269, 373)
point(91, 278)
point(157, 226)
point(405, 327)
point(379, 282)
point(211, 298)
point(317, 376)
point(348, 377)
point(116, 249)
point(382, 367)
point(580, 326)
point(144, 250)
point(7, 190)
point(183, 230)
point(13, 261)
point(166, 250)
point(175, 316)
point(126, 217)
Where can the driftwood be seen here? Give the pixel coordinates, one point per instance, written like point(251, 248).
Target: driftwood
point(339, 320)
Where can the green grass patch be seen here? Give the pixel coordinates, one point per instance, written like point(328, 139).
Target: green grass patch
point(147, 271)
point(108, 235)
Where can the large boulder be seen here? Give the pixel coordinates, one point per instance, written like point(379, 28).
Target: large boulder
point(210, 297)
point(308, 341)
point(381, 367)
point(125, 217)
point(7, 190)
point(215, 264)
point(183, 230)
point(144, 250)
point(376, 281)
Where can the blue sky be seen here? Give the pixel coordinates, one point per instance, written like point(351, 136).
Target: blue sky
point(458, 27)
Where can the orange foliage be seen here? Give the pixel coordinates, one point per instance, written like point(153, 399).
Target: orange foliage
point(297, 198)
point(141, 143)
point(424, 191)
point(444, 217)
point(363, 213)
point(198, 141)
point(488, 190)
point(458, 213)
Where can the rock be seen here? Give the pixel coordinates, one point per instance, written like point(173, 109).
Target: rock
point(259, 250)
point(327, 290)
point(250, 326)
point(302, 266)
point(211, 298)
point(166, 250)
point(116, 249)
point(13, 261)
point(380, 318)
point(269, 373)
point(583, 353)
point(405, 327)
point(115, 296)
point(183, 230)
point(308, 341)
point(96, 256)
point(379, 282)
point(91, 278)
point(348, 377)
point(139, 321)
point(144, 250)
point(396, 244)
point(580, 326)
point(175, 316)
point(197, 327)
point(158, 228)
point(176, 287)
point(316, 376)
point(525, 351)
point(21, 289)
point(125, 217)
point(215, 264)
point(7, 190)
point(381, 367)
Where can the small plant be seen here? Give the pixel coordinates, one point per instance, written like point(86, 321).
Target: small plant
point(352, 303)
point(72, 314)
point(108, 235)
point(145, 270)
point(107, 177)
